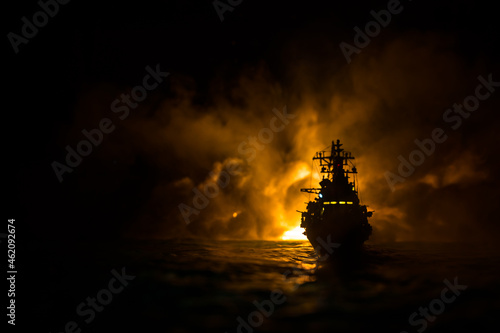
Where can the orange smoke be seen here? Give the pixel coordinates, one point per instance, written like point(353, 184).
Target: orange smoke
point(377, 106)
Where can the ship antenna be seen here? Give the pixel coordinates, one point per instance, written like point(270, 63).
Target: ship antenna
point(311, 178)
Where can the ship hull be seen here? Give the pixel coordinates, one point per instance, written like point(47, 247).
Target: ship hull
point(338, 236)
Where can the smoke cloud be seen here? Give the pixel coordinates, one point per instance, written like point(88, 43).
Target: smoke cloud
point(189, 133)
point(377, 107)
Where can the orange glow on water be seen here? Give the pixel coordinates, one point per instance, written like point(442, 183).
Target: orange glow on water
point(294, 234)
point(288, 219)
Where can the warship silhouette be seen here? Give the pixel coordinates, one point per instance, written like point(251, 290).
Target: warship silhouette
point(335, 216)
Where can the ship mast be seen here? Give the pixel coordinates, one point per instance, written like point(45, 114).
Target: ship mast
point(332, 165)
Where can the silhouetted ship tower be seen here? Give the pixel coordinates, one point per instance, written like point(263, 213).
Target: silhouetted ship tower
point(335, 215)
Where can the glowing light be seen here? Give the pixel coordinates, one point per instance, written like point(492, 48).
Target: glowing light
point(302, 172)
point(321, 195)
point(294, 234)
point(235, 214)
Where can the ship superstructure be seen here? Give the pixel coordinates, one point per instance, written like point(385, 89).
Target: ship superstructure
point(335, 214)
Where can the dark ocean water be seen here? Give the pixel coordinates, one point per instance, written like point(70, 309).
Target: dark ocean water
point(219, 286)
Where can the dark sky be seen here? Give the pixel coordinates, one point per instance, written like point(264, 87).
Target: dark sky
point(225, 78)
